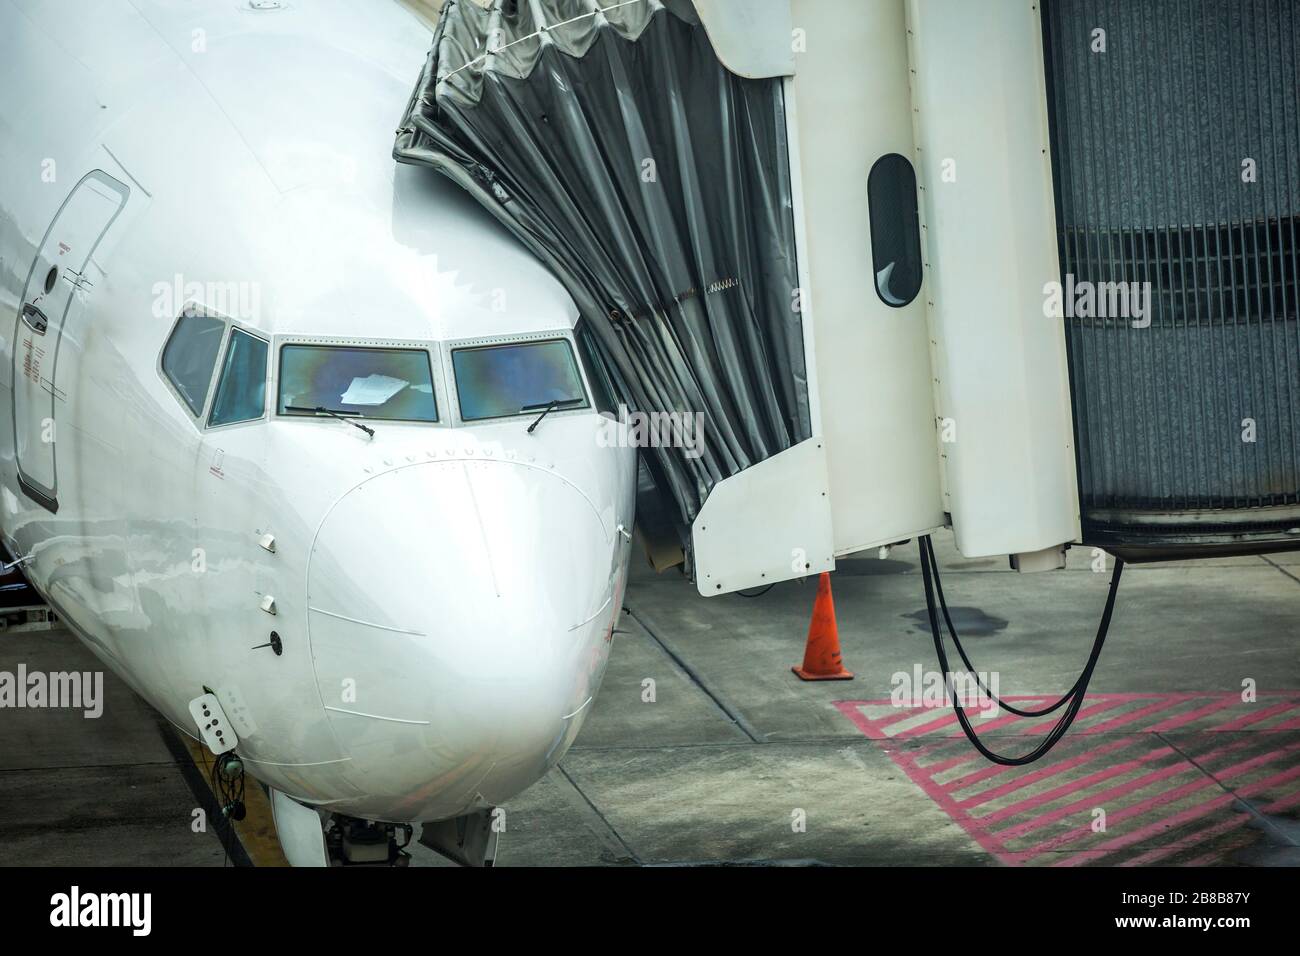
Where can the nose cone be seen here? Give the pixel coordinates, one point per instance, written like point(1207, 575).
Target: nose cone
point(459, 620)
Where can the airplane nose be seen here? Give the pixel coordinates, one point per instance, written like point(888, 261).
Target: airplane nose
point(459, 616)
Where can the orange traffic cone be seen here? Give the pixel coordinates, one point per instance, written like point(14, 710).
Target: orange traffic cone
point(821, 658)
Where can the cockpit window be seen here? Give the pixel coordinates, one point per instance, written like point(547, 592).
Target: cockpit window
point(241, 390)
point(191, 354)
point(494, 381)
point(391, 384)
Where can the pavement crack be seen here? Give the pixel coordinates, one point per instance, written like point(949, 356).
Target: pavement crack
point(1281, 568)
point(604, 821)
point(732, 715)
point(1265, 821)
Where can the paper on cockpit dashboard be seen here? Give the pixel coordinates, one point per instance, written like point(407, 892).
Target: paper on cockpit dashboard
point(372, 390)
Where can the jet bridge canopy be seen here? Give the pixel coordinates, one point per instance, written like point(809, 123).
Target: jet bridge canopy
point(667, 216)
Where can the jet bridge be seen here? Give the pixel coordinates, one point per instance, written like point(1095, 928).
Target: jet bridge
point(881, 249)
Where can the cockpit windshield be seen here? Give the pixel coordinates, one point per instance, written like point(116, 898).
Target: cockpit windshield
point(494, 381)
point(390, 384)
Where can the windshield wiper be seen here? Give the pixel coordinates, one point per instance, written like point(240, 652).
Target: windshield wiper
point(341, 416)
point(548, 407)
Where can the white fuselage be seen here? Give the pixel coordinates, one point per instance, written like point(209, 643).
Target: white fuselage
point(444, 593)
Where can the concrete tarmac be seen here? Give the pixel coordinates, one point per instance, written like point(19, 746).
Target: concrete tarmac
point(78, 791)
point(737, 760)
point(703, 747)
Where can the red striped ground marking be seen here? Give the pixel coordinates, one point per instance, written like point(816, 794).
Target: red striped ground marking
point(1192, 779)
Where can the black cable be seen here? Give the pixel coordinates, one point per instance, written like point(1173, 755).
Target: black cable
point(1075, 695)
point(212, 782)
point(927, 545)
point(758, 593)
point(229, 791)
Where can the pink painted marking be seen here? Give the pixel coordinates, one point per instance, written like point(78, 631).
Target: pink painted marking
point(940, 796)
point(1190, 814)
point(1075, 786)
point(874, 727)
point(1259, 715)
point(943, 766)
point(1097, 799)
point(1123, 720)
point(924, 774)
point(1182, 720)
point(1084, 713)
point(1201, 836)
point(940, 717)
point(1160, 852)
point(1172, 796)
point(1219, 852)
point(966, 781)
point(1232, 823)
point(1060, 766)
point(983, 724)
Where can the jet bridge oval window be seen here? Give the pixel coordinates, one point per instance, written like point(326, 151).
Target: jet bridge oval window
point(496, 381)
point(190, 356)
point(241, 390)
point(895, 230)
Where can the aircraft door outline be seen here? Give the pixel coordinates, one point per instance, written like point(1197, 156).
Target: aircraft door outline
point(58, 272)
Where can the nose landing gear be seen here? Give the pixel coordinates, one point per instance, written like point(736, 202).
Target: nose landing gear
point(470, 840)
point(311, 837)
point(316, 837)
point(353, 842)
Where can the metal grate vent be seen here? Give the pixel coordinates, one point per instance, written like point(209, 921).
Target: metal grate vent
point(1176, 151)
